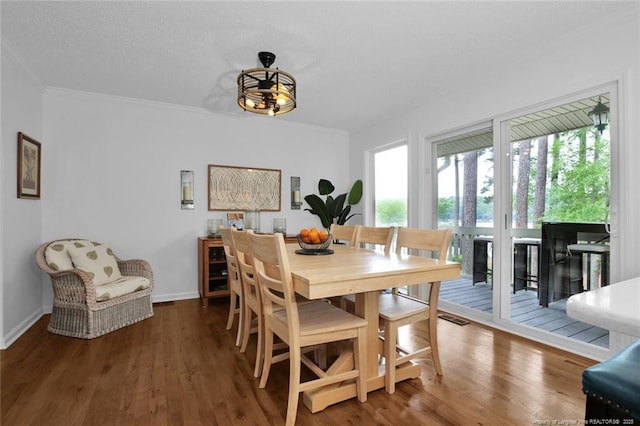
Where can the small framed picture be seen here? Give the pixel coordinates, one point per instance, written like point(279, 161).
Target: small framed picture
point(29, 153)
point(236, 220)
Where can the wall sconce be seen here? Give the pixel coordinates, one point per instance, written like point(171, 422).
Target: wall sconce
point(186, 189)
point(600, 116)
point(296, 200)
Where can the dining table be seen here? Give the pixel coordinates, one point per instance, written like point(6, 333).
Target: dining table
point(364, 273)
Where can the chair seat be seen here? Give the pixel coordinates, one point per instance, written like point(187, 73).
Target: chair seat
point(617, 380)
point(321, 317)
point(394, 307)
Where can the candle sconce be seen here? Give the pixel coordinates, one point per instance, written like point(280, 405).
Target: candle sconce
point(296, 200)
point(186, 187)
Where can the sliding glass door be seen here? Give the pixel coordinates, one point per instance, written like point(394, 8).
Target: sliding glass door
point(560, 184)
point(465, 178)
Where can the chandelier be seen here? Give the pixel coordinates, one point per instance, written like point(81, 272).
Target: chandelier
point(266, 90)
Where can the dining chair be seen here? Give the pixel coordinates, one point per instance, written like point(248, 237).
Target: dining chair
point(252, 303)
point(377, 238)
point(234, 284)
point(301, 325)
point(397, 310)
point(252, 317)
point(344, 233)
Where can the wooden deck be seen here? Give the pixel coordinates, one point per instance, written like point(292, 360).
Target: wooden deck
point(525, 310)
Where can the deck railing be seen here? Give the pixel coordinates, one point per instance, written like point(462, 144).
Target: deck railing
point(461, 248)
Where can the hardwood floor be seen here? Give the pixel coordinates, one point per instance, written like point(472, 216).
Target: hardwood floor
point(181, 367)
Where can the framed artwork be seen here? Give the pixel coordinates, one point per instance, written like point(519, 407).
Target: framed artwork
point(235, 220)
point(29, 153)
point(244, 188)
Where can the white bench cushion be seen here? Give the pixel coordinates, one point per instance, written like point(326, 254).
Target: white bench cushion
point(121, 286)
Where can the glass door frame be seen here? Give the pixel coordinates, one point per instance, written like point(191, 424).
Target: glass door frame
point(501, 316)
point(503, 203)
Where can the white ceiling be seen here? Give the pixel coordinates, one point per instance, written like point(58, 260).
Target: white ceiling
point(355, 62)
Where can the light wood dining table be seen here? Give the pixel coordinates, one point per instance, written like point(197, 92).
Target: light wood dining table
point(362, 272)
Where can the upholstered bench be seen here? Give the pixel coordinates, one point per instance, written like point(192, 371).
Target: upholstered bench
point(613, 388)
point(95, 292)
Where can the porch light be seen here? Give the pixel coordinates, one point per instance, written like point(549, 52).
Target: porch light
point(600, 115)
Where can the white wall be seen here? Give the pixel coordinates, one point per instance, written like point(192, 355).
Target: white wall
point(20, 219)
point(114, 175)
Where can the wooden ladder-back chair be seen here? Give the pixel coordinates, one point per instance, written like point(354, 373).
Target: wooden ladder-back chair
point(344, 233)
point(381, 238)
point(235, 285)
point(252, 319)
point(301, 325)
point(251, 296)
point(397, 310)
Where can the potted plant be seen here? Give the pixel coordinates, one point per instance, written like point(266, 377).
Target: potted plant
point(333, 210)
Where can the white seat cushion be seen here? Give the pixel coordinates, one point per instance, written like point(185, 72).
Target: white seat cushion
point(121, 286)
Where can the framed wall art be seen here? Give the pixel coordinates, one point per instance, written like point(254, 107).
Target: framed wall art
point(29, 153)
point(244, 188)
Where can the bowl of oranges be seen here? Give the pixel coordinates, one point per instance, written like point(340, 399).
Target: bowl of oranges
point(313, 239)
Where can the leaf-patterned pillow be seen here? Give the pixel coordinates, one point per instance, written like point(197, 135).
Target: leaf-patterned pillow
point(98, 261)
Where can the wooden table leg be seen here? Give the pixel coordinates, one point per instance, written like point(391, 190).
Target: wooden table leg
point(319, 399)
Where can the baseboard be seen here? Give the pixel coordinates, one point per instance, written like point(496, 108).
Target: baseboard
point(21, 328)
point(174, 296)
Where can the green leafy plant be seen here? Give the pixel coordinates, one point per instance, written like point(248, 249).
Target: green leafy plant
point(333, 210)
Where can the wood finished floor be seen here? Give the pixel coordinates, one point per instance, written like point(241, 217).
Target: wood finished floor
point(525, 310)
point(181, 367)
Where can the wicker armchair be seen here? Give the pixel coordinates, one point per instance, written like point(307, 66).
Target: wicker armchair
point(77, 311)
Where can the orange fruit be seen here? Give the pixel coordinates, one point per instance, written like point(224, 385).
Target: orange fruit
point(323, 236)
point(304, 232)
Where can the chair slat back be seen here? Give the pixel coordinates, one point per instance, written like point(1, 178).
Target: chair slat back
point(271, 266)
point(378, 236)
point(230, 254)
point(245, 264)
point(344, 233)
point(424, 240)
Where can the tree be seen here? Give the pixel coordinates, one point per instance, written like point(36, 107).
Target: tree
point(522, 191)
point(470, 188)
point(391, 213)
point(580, 192)
point(469, 203)
point(541, 180)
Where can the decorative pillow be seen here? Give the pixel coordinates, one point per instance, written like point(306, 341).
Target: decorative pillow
point(57, 254)
point(99, 262)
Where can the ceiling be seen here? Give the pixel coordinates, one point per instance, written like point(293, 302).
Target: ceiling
point(355, 62)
